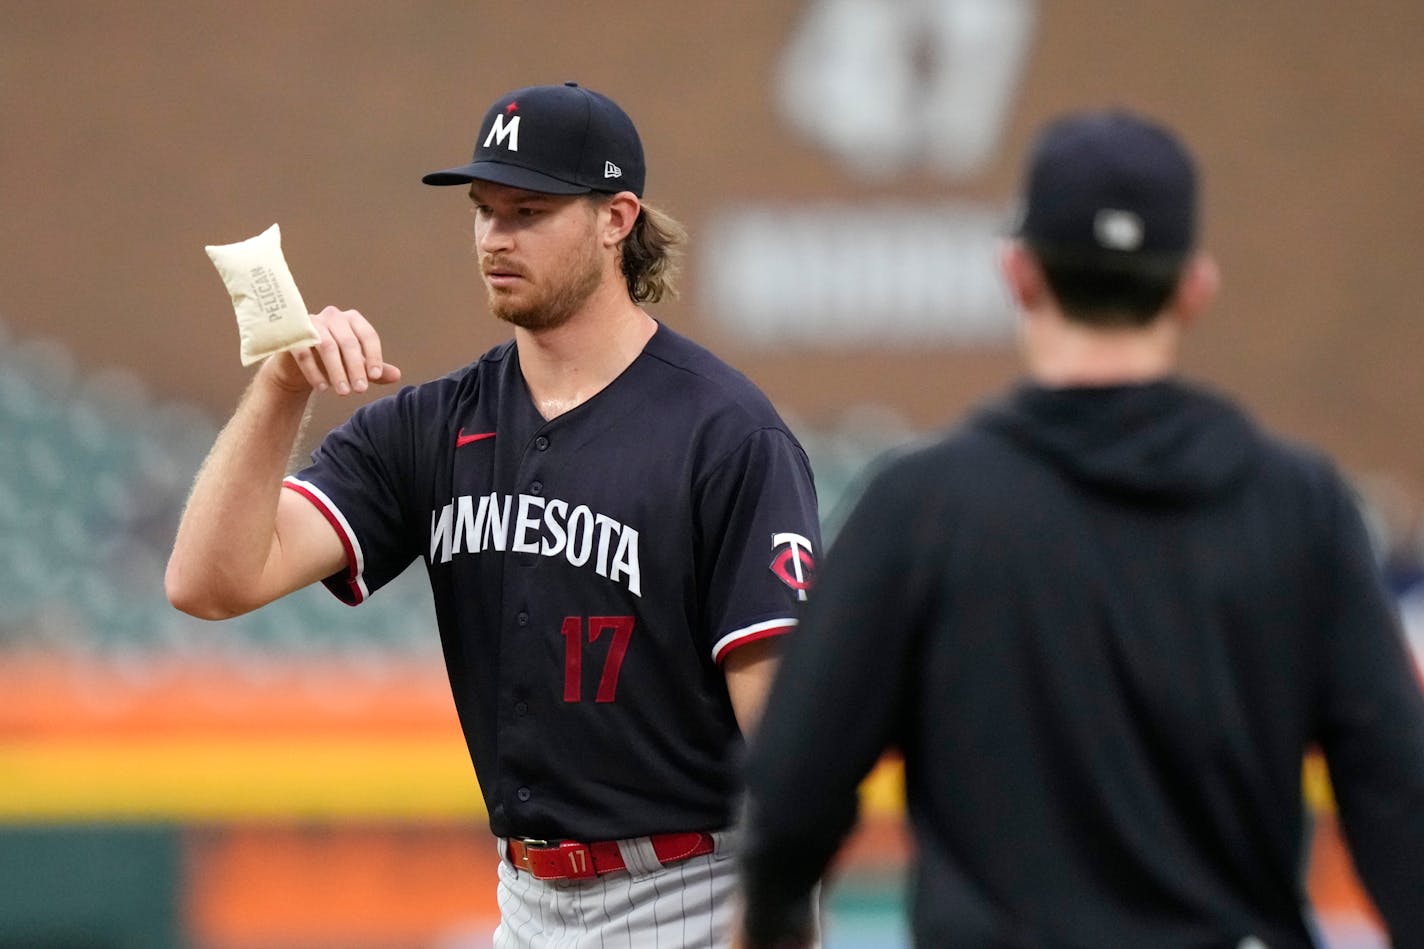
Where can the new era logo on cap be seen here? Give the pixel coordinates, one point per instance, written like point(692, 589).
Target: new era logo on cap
point(1118, 230)
point(556, 140)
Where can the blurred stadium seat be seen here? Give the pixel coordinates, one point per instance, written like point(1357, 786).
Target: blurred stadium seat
point(93, 476)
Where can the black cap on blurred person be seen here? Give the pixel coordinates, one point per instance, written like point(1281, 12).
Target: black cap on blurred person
point(1110, 181)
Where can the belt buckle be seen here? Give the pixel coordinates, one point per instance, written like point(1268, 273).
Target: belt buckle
point(525, 844)
point(571, 860)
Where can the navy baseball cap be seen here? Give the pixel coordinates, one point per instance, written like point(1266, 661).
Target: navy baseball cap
point(556, 140)
point(1110, 181)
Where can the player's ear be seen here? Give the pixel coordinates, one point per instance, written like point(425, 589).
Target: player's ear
point(1022, 274)
point(620, 213)
point(1198, 286)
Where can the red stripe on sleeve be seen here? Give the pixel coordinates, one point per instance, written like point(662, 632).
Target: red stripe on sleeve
point(721, 655)
point(354, 595)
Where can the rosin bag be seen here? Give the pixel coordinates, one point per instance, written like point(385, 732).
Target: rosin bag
point(271, 317)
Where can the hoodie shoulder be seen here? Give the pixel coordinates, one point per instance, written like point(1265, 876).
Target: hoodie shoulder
point(1160, 442)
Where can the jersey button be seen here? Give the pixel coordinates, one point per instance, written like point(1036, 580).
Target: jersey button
point(541, 443)
point(522, 619)
point(537, 488)
point(524, 794)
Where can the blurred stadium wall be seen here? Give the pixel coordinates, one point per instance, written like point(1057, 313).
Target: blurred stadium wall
point(294, 779)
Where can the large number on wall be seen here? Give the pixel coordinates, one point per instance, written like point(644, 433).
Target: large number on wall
point(891, 84)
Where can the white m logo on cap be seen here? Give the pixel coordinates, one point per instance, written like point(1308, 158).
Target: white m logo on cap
point(611, 170)
point(499, 132)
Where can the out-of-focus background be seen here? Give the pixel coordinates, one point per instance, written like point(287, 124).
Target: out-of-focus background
point(295, 779)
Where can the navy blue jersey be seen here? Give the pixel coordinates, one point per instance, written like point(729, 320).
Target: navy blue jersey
point(590, 573)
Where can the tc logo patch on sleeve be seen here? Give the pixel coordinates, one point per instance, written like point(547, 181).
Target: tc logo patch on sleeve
point(793, 563)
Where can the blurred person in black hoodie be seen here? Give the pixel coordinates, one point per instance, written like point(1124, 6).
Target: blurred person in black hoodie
point(1103, 621)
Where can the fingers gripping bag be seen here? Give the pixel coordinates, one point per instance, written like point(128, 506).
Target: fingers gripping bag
point(271, 317)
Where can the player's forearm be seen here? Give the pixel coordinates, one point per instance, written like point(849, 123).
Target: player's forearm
point(750, 670)
point(227, 534)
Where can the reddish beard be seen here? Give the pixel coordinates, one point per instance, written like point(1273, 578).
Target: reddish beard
point(554, 301)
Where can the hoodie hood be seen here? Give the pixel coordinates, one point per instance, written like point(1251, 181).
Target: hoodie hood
point(1161, 441)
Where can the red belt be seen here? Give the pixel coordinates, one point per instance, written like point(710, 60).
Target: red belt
point(570, 860)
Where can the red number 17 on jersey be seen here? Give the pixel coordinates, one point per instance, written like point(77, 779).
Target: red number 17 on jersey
point(573, 632)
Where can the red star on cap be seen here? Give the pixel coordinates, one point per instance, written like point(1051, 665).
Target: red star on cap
point(511, 107)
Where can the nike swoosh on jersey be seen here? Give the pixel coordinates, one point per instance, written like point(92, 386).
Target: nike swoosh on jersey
point(461, 439)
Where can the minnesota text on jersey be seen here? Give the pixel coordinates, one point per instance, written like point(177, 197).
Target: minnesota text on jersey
point(545, 526)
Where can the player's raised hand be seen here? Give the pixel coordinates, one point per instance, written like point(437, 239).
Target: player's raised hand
point(347, 357)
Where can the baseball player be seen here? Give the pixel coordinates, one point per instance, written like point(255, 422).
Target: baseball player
point(1103, 621)
point(616, 527)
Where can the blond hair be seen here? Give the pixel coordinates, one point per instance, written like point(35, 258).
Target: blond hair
point(652, 254)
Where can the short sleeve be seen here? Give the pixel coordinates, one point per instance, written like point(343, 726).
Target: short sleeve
point(758, 533)
point(360, 478)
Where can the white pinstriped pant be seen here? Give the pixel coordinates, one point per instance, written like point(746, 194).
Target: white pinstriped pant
point(684, 905)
